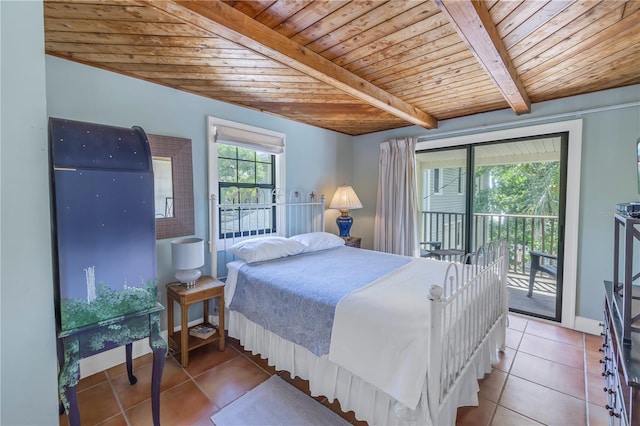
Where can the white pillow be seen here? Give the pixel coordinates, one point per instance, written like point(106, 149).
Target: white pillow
point(267, 248)
point(318, 240)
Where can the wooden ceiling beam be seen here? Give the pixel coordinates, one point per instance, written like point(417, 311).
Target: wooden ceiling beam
point(222, 20)
point(473, 23)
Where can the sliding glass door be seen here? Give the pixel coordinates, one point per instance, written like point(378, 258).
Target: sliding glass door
point(514, 192)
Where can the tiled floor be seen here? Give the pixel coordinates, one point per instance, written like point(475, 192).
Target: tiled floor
point(547, 375)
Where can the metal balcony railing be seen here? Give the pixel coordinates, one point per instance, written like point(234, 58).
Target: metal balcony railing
point(522, 232)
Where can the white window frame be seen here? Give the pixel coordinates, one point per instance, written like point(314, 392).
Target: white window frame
point(246, 136)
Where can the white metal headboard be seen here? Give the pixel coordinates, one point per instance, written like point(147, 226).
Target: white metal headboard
point(234, 222)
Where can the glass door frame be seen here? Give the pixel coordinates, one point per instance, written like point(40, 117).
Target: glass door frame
point(504, 131)
point(469, 151)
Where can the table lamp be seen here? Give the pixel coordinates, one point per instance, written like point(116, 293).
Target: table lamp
point(187, 255)
point(345, 199)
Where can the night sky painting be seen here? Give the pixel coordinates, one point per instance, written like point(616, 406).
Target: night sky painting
point(105, 222)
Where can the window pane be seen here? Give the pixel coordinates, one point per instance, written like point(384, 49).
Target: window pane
point(227, 170)
point(264, 157)
point(246, 154)
point(229, 195)
point(246, 172)
point(227, 151)
point(256, 221)
point(264, 173)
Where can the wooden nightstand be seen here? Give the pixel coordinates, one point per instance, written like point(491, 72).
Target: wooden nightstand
point(206, 288)
point(352, 241)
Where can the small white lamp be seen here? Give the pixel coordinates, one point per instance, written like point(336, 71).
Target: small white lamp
point(187, 255)
point(345, 199)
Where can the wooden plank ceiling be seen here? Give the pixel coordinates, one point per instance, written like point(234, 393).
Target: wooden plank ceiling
point(359, 66)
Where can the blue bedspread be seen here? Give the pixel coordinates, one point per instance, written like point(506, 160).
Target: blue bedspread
point(295, 297)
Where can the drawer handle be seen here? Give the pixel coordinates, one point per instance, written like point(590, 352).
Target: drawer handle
point(607, 373)
point(610, 391)
point(606, 358)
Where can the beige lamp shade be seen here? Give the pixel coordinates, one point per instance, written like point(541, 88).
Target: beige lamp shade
point(345, 198)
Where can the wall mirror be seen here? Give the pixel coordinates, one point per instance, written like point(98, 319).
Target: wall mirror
point(173, 186)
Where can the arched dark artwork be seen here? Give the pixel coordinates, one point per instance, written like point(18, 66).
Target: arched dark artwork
point(102, 183)
point(104, 250)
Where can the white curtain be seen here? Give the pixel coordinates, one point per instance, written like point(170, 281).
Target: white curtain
point(396, 223)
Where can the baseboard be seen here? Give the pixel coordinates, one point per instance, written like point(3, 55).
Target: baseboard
point(588, 325)
point(105, 360)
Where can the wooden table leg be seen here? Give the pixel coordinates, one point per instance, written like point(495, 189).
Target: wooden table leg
point(221, 344)
point(170, 325)
point(184, 334)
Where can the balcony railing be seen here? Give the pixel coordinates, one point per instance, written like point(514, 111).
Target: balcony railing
point(522, 232)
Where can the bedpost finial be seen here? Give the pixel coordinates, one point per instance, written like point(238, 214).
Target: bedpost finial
point(435, 293)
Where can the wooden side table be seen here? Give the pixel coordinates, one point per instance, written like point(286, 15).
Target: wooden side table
point(352, 241)
point(206, 288)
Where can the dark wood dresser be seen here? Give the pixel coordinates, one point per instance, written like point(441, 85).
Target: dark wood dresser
point(621, 365)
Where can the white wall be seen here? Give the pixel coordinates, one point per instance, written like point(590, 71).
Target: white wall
point(28, 393)
point(608, 174)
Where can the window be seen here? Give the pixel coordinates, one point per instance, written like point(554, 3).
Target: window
point(246, 166)
point(245, 176)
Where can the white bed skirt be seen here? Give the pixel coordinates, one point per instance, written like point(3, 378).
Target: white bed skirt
point(354, 394)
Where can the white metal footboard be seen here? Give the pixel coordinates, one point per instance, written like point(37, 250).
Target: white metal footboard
point(468, 307)
point(237, 221)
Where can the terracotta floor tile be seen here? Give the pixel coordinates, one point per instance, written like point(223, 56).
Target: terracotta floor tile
point(594, 366)
point(230, 380)
point(550, 374)
point(595, 390)
point(505, 359)
point(538, 378)
point(555, 332)
point(182, 405)
point(598, 415)
point(118, 420)
point(517, 323)
point(131, 395)
point(137, 362)
point(96, 404)
point(491, 385)
point(476, 416)
point(552, 350)
point(542, 404)
point(593, 342)
point(505, 417)
point(94, 379)
point(207, 357)
point(513, 338)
